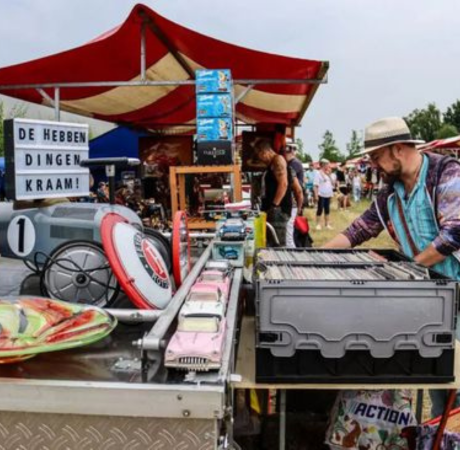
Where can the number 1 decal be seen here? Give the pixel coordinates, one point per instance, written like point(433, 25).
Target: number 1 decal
point(22, 229)
point(21, 235)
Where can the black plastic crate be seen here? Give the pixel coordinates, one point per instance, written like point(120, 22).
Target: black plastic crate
point(357, 366)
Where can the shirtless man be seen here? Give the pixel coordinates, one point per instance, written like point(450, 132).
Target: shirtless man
point(278, 186)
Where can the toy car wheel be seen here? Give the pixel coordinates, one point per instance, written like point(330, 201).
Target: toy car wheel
point(79, 272)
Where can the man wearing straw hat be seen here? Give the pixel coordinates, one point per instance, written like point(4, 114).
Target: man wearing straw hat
point(419, 206)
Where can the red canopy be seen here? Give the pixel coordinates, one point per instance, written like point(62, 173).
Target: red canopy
point(448, 143)
point(172, 53)
point(449, 146)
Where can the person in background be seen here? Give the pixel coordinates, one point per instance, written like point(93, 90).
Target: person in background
point(102, 192)
point(356, 185)
point(377, 182)
point(418, 205)
point(342, 185)
point(369, 187)
point(324, 191)
point(295, 165)
point(309, 179)
point(278, 187)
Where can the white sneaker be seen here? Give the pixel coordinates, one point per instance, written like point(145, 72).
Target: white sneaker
point(329, 227)
point(318, 227)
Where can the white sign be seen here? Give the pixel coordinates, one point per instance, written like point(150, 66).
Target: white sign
point(47, 159)
point(21, 235)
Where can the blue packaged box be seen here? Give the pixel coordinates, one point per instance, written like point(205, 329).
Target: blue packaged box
point(213, 81)
point(215, 129)
point(214, 105)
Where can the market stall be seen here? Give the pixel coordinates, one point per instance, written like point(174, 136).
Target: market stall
point(128, 391)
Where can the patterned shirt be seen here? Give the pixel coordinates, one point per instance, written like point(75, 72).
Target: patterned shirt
point(443, 185)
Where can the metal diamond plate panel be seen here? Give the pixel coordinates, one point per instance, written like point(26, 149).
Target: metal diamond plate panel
point(25, 431)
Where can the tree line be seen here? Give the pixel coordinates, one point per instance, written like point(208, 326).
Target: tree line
point(426, 124)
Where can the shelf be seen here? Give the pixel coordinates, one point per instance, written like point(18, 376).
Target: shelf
point(177, 186)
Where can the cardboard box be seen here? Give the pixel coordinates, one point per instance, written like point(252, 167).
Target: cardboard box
point(232, 252)
point(214, 105)
point(215, 129)
point(219, 80)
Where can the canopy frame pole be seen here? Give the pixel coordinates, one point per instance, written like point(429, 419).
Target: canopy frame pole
point(167, 43)
point(46, 97)
point(243, 94)
point(134, 83)
point(57, 105)
point(322, 75)
point(143, 50)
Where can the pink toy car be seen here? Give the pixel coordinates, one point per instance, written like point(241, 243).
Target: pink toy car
point(209, 292)
point(217, 277)
point(199, 340)
point(222, 266)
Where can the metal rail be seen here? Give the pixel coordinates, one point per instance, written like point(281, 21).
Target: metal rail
point(134, 83)
point(154, 340)
point(232, 313)
point(135, 315)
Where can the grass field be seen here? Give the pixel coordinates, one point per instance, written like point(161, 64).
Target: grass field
point(340, 220)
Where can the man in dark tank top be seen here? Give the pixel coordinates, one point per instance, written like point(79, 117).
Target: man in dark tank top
point(278, 187)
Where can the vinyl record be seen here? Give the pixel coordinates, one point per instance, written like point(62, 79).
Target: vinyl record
point(136, 262)
point(180, 248)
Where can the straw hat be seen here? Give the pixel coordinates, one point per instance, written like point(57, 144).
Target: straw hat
point(392, 130)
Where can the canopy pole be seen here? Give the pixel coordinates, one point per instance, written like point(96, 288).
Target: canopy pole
point(322, 75)
point(168, 44)
point(243, 94)
point(46, 97)
point(57, 105)
point(143, 50)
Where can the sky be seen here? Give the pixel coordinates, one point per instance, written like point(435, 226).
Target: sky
point(387, 57)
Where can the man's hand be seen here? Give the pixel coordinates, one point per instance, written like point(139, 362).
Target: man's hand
point(274, 214)
point(429, 257)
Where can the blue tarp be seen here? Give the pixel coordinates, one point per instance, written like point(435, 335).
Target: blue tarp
point(121, 141)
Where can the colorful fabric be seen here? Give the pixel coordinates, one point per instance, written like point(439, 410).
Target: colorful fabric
point(371, 420)
point(426, 435)
point(420, 219)
point(444, 193)
point(32, 325)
